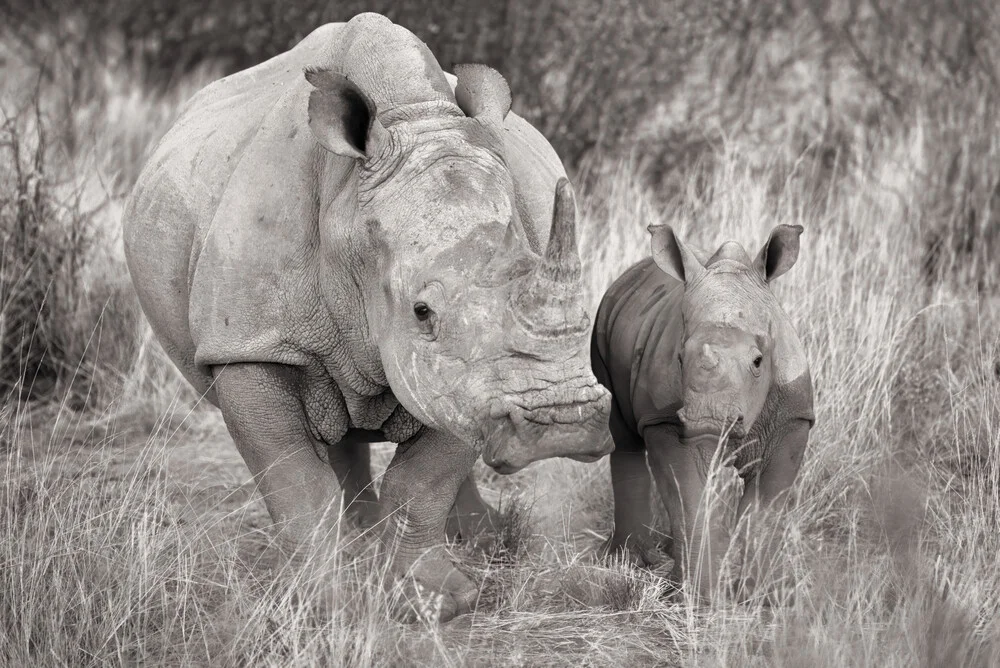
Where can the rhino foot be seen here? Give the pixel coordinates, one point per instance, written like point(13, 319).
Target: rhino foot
point(433, 590)
point(641, 551)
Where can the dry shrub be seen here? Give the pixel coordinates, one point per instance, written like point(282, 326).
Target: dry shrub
point(44, 246)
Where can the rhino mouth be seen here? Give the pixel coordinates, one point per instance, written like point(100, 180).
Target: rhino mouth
point(712, 424)
point(572, 413)
point(517, 436)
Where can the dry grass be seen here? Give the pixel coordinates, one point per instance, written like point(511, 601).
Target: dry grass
point(128, 533)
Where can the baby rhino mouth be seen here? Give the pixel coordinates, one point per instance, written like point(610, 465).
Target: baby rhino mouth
point(702, 419)
point(523, 429)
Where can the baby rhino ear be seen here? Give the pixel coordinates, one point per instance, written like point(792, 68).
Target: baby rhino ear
point(780, 252)
point(672, 256)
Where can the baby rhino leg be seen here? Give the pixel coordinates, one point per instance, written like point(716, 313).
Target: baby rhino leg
point(631, 484)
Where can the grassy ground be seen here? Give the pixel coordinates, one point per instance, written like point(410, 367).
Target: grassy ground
point(129, 533)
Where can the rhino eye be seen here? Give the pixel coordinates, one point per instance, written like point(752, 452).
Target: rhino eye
point(422, 311)
point(758, 360)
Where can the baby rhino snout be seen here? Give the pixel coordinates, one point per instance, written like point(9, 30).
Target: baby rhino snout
point(701, 418)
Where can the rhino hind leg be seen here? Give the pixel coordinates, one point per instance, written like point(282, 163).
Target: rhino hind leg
point(262, 410)
point(351, 461)
point(472, 519)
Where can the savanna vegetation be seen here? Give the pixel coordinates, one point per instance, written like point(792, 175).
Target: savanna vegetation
point(129, 532)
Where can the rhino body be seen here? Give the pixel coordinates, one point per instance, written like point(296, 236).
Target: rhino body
point(345, 245)
point(697, 352)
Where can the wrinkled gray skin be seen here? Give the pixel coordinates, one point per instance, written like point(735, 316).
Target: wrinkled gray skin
point(361, 254)
point(697, 351)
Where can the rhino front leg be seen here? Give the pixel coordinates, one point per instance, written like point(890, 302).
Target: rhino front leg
point(418, 491)
point(763, 497)
point(351, 461)
point(680, 470)
point(472, 519)
point(631, 484)
point(261, 407)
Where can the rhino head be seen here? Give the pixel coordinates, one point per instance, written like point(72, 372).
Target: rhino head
point(732, 327)
point(476, 333)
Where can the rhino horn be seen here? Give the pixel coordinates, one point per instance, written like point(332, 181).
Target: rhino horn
point(550, 303)
point(561, 262)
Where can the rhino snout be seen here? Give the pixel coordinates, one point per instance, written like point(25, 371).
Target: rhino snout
point(700, 423)
point(517, 436)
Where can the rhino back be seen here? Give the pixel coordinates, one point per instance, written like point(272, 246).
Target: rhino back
point(636, 336)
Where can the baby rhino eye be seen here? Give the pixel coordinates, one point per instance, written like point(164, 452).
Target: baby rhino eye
point(422, 311)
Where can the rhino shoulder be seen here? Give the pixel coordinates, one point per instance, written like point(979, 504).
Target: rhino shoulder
point(230, 201)
point(254, 280)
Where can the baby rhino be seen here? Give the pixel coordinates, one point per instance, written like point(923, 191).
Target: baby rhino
point(697, 352)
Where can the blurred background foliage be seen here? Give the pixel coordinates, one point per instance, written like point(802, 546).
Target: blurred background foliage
point(586, 72)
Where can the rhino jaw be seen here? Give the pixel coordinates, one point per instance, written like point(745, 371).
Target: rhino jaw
point(700, 419)
point(516, 437)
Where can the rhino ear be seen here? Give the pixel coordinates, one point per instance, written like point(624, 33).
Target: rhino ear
point(672, 256)
point(342, 118)
point(780, 252)
point(482, 92)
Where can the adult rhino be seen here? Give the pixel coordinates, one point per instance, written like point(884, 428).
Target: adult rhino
point(370, 252)
point(697, 352)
